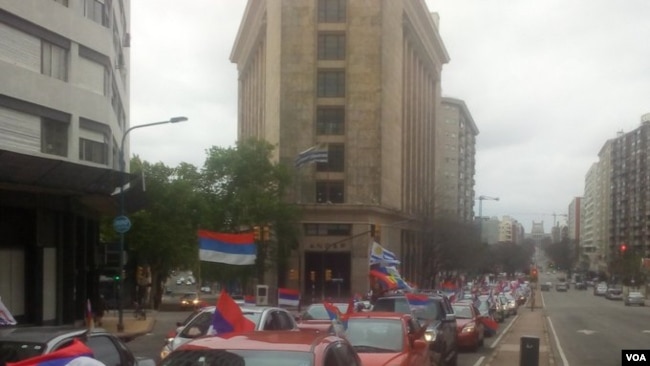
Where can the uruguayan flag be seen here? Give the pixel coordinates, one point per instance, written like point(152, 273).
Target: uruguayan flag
point(381, 255)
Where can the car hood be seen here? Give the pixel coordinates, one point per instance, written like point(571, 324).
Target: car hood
point(381, 359)
point(461, 322)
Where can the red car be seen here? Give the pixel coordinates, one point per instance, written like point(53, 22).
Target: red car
point(387, 338)
point(269, 348)
point(471, 330)
point(315, 317)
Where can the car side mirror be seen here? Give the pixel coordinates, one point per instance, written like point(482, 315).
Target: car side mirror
point(450, 317)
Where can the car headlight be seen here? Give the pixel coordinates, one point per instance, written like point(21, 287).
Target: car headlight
point(469, 327)
point(196, 301)
point(166, 350)
point(430, 335)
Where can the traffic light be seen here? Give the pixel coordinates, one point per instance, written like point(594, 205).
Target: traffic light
point(293, 274)
point(116, 277)
point(328, 275)
point(623, 248)
point(256, 232)
point(375, 231)
point(312, 276)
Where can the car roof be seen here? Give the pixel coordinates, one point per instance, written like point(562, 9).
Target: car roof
point(247, 308)
point(379, 315)
point(44, 334)
point(280, 340)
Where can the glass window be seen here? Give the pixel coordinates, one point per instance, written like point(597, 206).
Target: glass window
point(94, 151)
point(331, 11)
point(54, 61)
point(104, 350)
point(331, 46)
point(198, 327)
point(330, 120)
point(329, 191)
point(328, 229)
point(95, 10)
point(331, 83)
point(215, 357)
point(335, 159)
point(54, 137)
point(377, 333)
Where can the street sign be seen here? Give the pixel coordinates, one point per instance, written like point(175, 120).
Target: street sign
point(121, 224)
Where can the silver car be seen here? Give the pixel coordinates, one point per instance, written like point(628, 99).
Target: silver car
point(635, 298)
point(264, 317)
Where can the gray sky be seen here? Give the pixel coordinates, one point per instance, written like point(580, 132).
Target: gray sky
point(547, 83)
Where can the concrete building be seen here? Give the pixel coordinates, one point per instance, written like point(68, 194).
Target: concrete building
point(455, 161)
point(588, 248)
point(490, 229)
point(602, 209)
point(364, 81)
point(64, 105)
point(574, 219)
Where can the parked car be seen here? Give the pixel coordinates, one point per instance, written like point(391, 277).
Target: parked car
point(634, 298)
point(561, 287)
point(600, 290)
point(581, 285)
point(264, 317)
point(273, 348)
point(441, 332)
point(20, 343)
point(546, 286)
point(614, 293)
point(471, 331)
point(387, 338)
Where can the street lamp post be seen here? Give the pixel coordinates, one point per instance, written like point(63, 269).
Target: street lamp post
point(121, 224)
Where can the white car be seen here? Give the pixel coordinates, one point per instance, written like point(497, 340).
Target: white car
point(264, 317)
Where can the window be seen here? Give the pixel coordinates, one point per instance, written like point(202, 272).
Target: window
point(335, 159)
point(331, 11)
point(331, 83)
point(96, 11)
point(54, 137)
point(94, 151)
point(329, 191)
point(331, 46)
point(330, 121)
point(328, 229)
point(104, 350)
point(54, 61)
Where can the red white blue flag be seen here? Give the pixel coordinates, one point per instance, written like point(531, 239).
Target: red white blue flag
point(5, 316)
point(237, 249)
point(70, 355)
point(288, 297)
point(228, 316)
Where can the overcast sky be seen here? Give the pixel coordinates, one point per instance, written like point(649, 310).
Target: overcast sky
point(547, 83)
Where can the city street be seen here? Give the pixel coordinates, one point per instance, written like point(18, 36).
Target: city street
point(592, 330)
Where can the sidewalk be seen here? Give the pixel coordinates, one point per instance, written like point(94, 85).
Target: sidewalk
point(132, 327)
point(527, 324)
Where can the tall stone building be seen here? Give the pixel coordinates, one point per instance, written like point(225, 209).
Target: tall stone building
point(64, 105)
point(455, 161)
point(363, 80)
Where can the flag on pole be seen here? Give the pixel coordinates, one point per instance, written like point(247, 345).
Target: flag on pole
point(236, 249)
point(228, 316)
point(89, 315)
point(315, 154)
point(77, 353)
point(5, 316)
point(381, 255)
point(288, 297)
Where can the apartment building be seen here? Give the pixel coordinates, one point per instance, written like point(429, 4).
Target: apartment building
point(363, 81)
point(455, 161)
point(64, 104)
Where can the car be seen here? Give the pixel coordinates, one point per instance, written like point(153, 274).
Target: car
point(614, 293)
point(600, 290)
point(206, 289)
point(19, 343)
point(190, 300)
point(561, 287)
point(272, 348)
point(635, 298)
point(512, 304)
point(438, 313)
point(546, 286)
point(264, 317)
point(316, 316)
point(581, 285)
point(471, 331)
point(387, 338)
point(501, 308)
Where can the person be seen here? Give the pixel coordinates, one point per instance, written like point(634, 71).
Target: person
point(100, 308)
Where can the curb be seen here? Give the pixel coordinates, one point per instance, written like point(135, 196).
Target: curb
point(128, 337)
point(498, 348)
point(551, 350)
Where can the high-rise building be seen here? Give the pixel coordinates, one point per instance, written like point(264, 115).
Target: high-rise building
point(361, 80)
point(64, 105)
point(455, 161)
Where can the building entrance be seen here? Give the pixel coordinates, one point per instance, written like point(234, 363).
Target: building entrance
point(327, 276)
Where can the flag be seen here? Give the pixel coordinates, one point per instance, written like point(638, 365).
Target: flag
point(76, 350)
point(288, 297)
point(317, 153)
point(348, 312)
point(383, 280)
point(490, 324)
point(5, 316)
point(381, 255)
point(228, 316)
point(393, 272)
point(237, 249)
point(417, 301)
point(332, 311)
point(89, 315)
point(249, 300)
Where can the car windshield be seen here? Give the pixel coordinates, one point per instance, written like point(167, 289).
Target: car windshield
point(635, 294)
point(190, 296)
point(238, 358)
point(368, 335)
point(318, 312)
point(17, 351)
point(463, 311)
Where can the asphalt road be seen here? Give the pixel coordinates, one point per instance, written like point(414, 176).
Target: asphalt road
point(591, 330)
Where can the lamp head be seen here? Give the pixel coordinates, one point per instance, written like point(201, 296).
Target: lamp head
point(177, 119)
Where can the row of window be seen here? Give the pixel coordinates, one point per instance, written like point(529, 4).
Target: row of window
point(54, 141)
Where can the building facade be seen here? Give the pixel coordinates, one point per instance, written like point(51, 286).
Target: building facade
point(64, 104)
point(364, 81)
point(455, 161)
